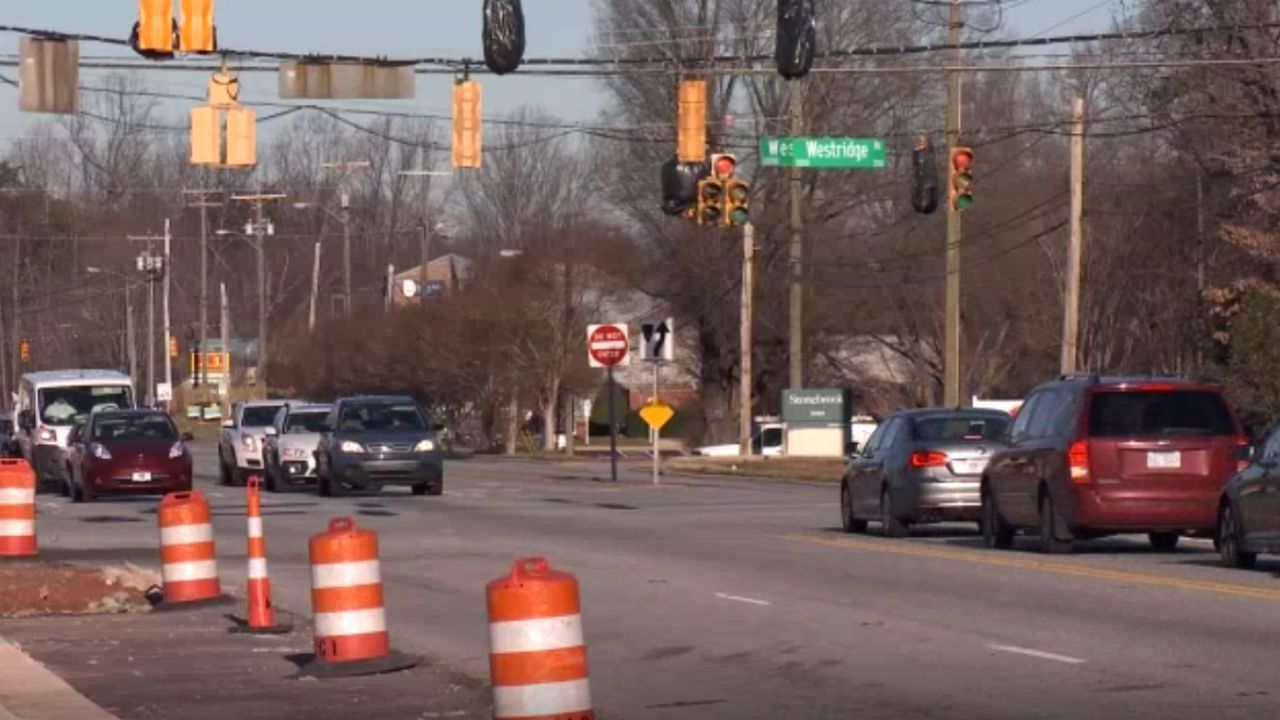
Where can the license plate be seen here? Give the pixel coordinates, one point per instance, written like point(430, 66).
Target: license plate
point(1164, 460)
point(142, 477)
point(968, 467)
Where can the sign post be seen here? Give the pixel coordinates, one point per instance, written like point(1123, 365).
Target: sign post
point(833, 153)
point(657, 348)
point(607, 347)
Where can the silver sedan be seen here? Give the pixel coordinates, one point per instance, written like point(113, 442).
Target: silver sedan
point(921, 466)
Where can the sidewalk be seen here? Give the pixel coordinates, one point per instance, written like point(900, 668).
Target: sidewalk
point(183, 665)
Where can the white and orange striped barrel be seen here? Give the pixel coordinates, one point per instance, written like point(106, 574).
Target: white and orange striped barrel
point(346, 594)
point(537, 656)
point(17, 509)
point(189, 564)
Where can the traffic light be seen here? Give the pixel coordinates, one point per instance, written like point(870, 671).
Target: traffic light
point(24, 351)
point(924, 187)
point(207, 147)
point(737, 202)
point(467, 118)
point(692, 124)
point(154, 35)
point(198, 34)
point(961, 178)
point(173, 347)
point(710, 201)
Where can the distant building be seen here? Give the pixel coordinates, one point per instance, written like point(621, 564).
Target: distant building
point(445, 275)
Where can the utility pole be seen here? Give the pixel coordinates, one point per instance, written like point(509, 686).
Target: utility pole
point(154, 268)
point(346, 253)
point(745, 401)
point(130, 332)
point(1071, 314)
point(795, 347)
point(315, 290)
point(952, 382)
point(202, 201)
point(224, 327)
point(151, 341)
point(426, 258)
point(391, 288)
point(259, 229)
point(168, 327)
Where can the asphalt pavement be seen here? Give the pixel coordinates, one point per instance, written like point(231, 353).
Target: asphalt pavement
point(740, 599)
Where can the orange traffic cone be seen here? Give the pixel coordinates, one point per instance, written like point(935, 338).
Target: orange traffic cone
point(537, 656)
point(350, 621)
point(17, 509)
point(262, 614)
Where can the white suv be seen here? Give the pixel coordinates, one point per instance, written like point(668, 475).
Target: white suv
point(243, 435)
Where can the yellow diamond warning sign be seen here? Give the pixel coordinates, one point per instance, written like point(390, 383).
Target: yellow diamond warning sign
point(657, 415)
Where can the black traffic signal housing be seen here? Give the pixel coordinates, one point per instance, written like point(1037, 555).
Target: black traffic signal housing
point(961, 178)
point(680, 187)
point(924, 183)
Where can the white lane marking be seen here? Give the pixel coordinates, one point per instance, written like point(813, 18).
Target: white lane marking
point(739, 598)
point(1038, 654)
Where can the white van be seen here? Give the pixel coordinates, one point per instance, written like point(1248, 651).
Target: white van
point(49, 404)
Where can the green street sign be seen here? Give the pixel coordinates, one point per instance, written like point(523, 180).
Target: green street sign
point(822, 153)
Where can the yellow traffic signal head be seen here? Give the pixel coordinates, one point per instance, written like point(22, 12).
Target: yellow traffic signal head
point(737, 203)
point(198, 34)
point(961, 178)
point(467, 117)
point(155, 29)
point(692, 124)
point(711, 194)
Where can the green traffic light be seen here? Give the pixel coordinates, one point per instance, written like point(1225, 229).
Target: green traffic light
point(964, 202)
point(739, 216)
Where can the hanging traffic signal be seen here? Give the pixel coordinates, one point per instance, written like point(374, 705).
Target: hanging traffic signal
point(692, 124)
point(924, 185)
point(155, 34)
point(710, 201)
point(207, 147)
point(467, 116)
point(961, 178)
point(24, 351)
point(737, 202)
point(198, 34)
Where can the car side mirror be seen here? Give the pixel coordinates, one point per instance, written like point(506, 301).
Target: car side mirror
point(188, 437)
point(853, 450)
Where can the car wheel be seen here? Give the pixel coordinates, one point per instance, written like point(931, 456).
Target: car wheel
point(890, 526)
point(224, 473)
point(271, 483)
point(1229, 545)
point(996, 533)
point(850, 523)
point(322, 486)
point(1164, 541)
point(1054, 540)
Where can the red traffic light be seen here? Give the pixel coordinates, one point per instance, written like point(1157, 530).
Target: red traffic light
point(962, 159)
point(723, 166)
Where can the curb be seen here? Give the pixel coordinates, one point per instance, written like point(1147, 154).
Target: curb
point(30, 691)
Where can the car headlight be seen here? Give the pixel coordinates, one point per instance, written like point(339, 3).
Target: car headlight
point(177, 450)
point(349, 446)
point(249, 442)
point(99, 451)
point(425, 446)
point(46, 435)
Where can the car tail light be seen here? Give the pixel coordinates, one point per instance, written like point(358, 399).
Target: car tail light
point(1078, 461)
point(1153, 387)
point(1243, 453)
point(928, 458)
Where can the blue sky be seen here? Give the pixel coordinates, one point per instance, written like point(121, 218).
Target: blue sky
point(404, 28)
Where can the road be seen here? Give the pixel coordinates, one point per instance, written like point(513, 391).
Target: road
point(739, 599)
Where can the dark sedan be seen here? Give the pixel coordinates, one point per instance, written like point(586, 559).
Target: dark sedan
point(372, 442)
point(127, 452)
point(1249, 509)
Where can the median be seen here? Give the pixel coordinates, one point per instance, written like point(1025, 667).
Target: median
point(830, 470)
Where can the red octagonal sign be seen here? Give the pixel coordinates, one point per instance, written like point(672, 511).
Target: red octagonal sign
point(608, 345)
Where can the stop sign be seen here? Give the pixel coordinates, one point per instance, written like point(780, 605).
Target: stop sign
point(607, 345)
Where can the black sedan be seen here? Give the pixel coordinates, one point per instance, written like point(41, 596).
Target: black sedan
point(372, 442)
point(1249, 509)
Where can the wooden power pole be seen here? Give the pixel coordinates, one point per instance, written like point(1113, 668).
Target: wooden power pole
point(952, 377)
point(745, 401)
point(1075, 247)
point(795, 346)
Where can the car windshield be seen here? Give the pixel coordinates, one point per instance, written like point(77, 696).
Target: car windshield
point(67, 405)
point(259, 415)
point(1158, 414)
point(381, 417)
point(301, 423)
point(126, 428)
point(943, 428)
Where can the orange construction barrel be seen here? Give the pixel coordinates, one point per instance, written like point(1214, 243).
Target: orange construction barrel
point(189, 564)
point(17, 509)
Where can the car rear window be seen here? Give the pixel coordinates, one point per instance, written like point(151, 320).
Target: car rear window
point(943, 428)
point(1163, 413)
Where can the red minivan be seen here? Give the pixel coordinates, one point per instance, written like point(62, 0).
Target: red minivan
point(127, 452)
point(1091, 456)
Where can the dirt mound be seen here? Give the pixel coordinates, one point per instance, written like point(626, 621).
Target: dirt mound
point(34, 588)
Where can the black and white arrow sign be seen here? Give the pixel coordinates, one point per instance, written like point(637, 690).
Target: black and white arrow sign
point(659, 345)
